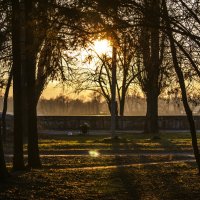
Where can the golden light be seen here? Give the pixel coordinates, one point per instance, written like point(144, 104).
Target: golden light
point(94, 153)
point(102, 46)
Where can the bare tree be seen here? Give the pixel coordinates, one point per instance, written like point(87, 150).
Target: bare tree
point(151, 61)
point(182, 84)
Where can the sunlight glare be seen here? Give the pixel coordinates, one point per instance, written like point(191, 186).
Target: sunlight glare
point(94, 153)
point(102, 46)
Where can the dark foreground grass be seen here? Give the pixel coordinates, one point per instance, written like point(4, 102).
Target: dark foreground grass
point(174, 181)
point(107, 176)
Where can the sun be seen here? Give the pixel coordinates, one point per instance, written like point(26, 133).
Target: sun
point(102, 46)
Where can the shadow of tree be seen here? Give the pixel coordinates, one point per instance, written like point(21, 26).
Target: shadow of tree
point(161, 182)
point(129, 183)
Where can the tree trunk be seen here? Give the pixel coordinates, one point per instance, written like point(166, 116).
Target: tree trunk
point(122, 104)
point(113, 92)
point(152, 64)
point(33, 150)
point(44, 62)
point(183, 88)
point(123, 95)
point(5, 104)
point(151, 123)
point(3, 170)
point(18, 159)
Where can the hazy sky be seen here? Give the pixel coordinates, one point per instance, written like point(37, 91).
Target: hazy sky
point(52, 91)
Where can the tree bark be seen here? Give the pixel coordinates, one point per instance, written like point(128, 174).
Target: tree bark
point(151, 123)
point(183, 88)
point(5, 104)
point(18, 159)
point(122, 104)
point(152, 64)
point(123, 94)
point(3, 170)
point(113, 92)
point(33, 150)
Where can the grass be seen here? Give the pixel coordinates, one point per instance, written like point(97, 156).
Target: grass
point(71, 172)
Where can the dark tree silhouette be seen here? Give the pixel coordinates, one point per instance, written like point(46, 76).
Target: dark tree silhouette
point(182, 85)
point(5, 100)
point(150, 46)
point(18, 160)
point(3, 55)
point(33, 150)
point(3, 170)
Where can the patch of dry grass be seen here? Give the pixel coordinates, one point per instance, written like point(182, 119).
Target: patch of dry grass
point(73, 176)
point(174, 181)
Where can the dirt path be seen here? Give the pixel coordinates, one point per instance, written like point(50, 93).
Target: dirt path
point(130, 165)
point(173, 159)
point(87, 153)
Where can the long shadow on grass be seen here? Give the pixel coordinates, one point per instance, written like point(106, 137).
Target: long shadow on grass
point(165, 181)
point(128, 182)
point(171, 147)
point(173, 182)
point(178, 141)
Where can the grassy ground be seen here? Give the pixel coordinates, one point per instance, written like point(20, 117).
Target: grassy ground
point(96, 167)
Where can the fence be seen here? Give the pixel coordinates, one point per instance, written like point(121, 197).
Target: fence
point(103, 122)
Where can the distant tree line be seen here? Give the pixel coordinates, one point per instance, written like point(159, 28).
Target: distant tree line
point(135, 105)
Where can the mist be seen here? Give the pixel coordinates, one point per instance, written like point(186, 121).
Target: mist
point(64, 106)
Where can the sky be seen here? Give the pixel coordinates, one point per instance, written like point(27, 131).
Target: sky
point(53, 89)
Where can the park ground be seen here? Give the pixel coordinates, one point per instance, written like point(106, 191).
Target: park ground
point(134, 166)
